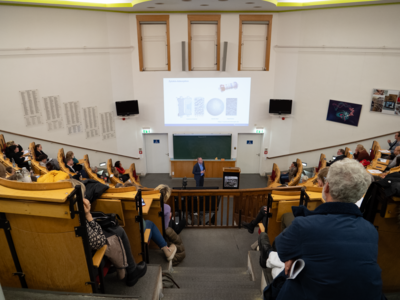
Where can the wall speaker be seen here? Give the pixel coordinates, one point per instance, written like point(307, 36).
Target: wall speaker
point(224, 56)
point(183, 56)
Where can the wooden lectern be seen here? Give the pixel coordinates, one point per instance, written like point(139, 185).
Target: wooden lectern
point(230, 178)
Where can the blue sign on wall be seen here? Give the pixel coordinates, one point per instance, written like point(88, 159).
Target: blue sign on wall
point(156, 141)
point(249, 142)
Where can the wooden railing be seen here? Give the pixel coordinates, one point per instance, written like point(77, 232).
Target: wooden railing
point(69, 145)
point(331, 146)
point(219, 208)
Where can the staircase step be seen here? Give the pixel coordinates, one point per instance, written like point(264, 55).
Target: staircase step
point(211, 277)
point(191, 271)
point(200, 285)
point(212, 294)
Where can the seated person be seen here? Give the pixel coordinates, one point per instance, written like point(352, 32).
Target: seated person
point(70, 165)
point(118, 166)
point(340, 156)
point(49, 166)
point(95, 170)
point(321, 177)
point(338, 239)
point(360, 154)
point(396, 154)
point(304, 178)
point(42, 159)
point(39, 151)
point(168, 219)
point(76, 164)
point(288, 176)
point(9, 153)
point(287, 218)
point(394, 144)
point(155, 234)
point(19, 157)
point(97, 239)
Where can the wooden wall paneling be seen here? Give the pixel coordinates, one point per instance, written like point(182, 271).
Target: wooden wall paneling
point(35, 208)
point(110, 206)
point(34, 186)
point(7, 267)
point(51, 256)
point(132, 229)
point(153, 216)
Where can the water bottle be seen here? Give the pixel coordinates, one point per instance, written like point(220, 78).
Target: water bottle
point(13, 162)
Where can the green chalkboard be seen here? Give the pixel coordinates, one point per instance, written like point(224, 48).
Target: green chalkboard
point(206, 146)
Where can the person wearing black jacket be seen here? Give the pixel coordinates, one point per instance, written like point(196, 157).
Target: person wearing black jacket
point(70, 165)
point(38, 151)
point(340, 156)
point(18, 157)
point(198, 171)
point(9, 153)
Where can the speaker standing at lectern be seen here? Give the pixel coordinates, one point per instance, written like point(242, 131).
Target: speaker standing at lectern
point(199, 171)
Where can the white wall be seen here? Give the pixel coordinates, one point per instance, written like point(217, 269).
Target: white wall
point(100, 78)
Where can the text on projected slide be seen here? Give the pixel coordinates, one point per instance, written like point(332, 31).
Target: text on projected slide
point(206, 101)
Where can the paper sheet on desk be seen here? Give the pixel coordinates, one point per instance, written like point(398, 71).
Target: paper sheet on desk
point(26, 151)
point(26, 158)
point(384, 151)
point(382, 160)
point(375, 171)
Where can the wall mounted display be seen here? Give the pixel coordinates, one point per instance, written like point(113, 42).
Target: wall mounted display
point(52, 107)
point(31, 107)
point(344, 112)
point(386, 101)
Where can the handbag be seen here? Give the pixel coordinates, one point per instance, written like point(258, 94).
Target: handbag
point(105, 220)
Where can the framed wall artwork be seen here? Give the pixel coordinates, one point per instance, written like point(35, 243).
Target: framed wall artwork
point(386, 101)
point(344, 112)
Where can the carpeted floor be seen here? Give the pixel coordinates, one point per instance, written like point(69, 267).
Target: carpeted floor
point(220, 248)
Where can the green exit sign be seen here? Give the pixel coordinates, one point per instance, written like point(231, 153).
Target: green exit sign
point(145, 130)
point(259, 130)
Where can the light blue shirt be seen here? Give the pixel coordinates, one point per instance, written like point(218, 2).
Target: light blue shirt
point(201, 169)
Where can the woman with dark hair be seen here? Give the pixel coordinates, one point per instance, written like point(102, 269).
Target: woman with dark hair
point(9, 153)
point(124, 177)
point(49, 166)
point(18, 157)
point(39, 151)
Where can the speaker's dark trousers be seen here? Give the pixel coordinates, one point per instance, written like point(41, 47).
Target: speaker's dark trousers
point(200, 181)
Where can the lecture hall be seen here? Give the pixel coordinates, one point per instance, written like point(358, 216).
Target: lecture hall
point(200, 149)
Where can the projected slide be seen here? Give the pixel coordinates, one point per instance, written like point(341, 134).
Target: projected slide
point(206, 101)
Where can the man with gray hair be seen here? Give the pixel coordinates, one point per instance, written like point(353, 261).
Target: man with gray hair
point(339, 247)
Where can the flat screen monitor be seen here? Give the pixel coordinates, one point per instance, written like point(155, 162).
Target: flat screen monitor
point(126, 108)
point(280, 106)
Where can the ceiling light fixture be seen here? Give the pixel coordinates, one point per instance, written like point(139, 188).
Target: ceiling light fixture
point(257, 6)
point(159, 3)
point(204, 5)
point(151, 7)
